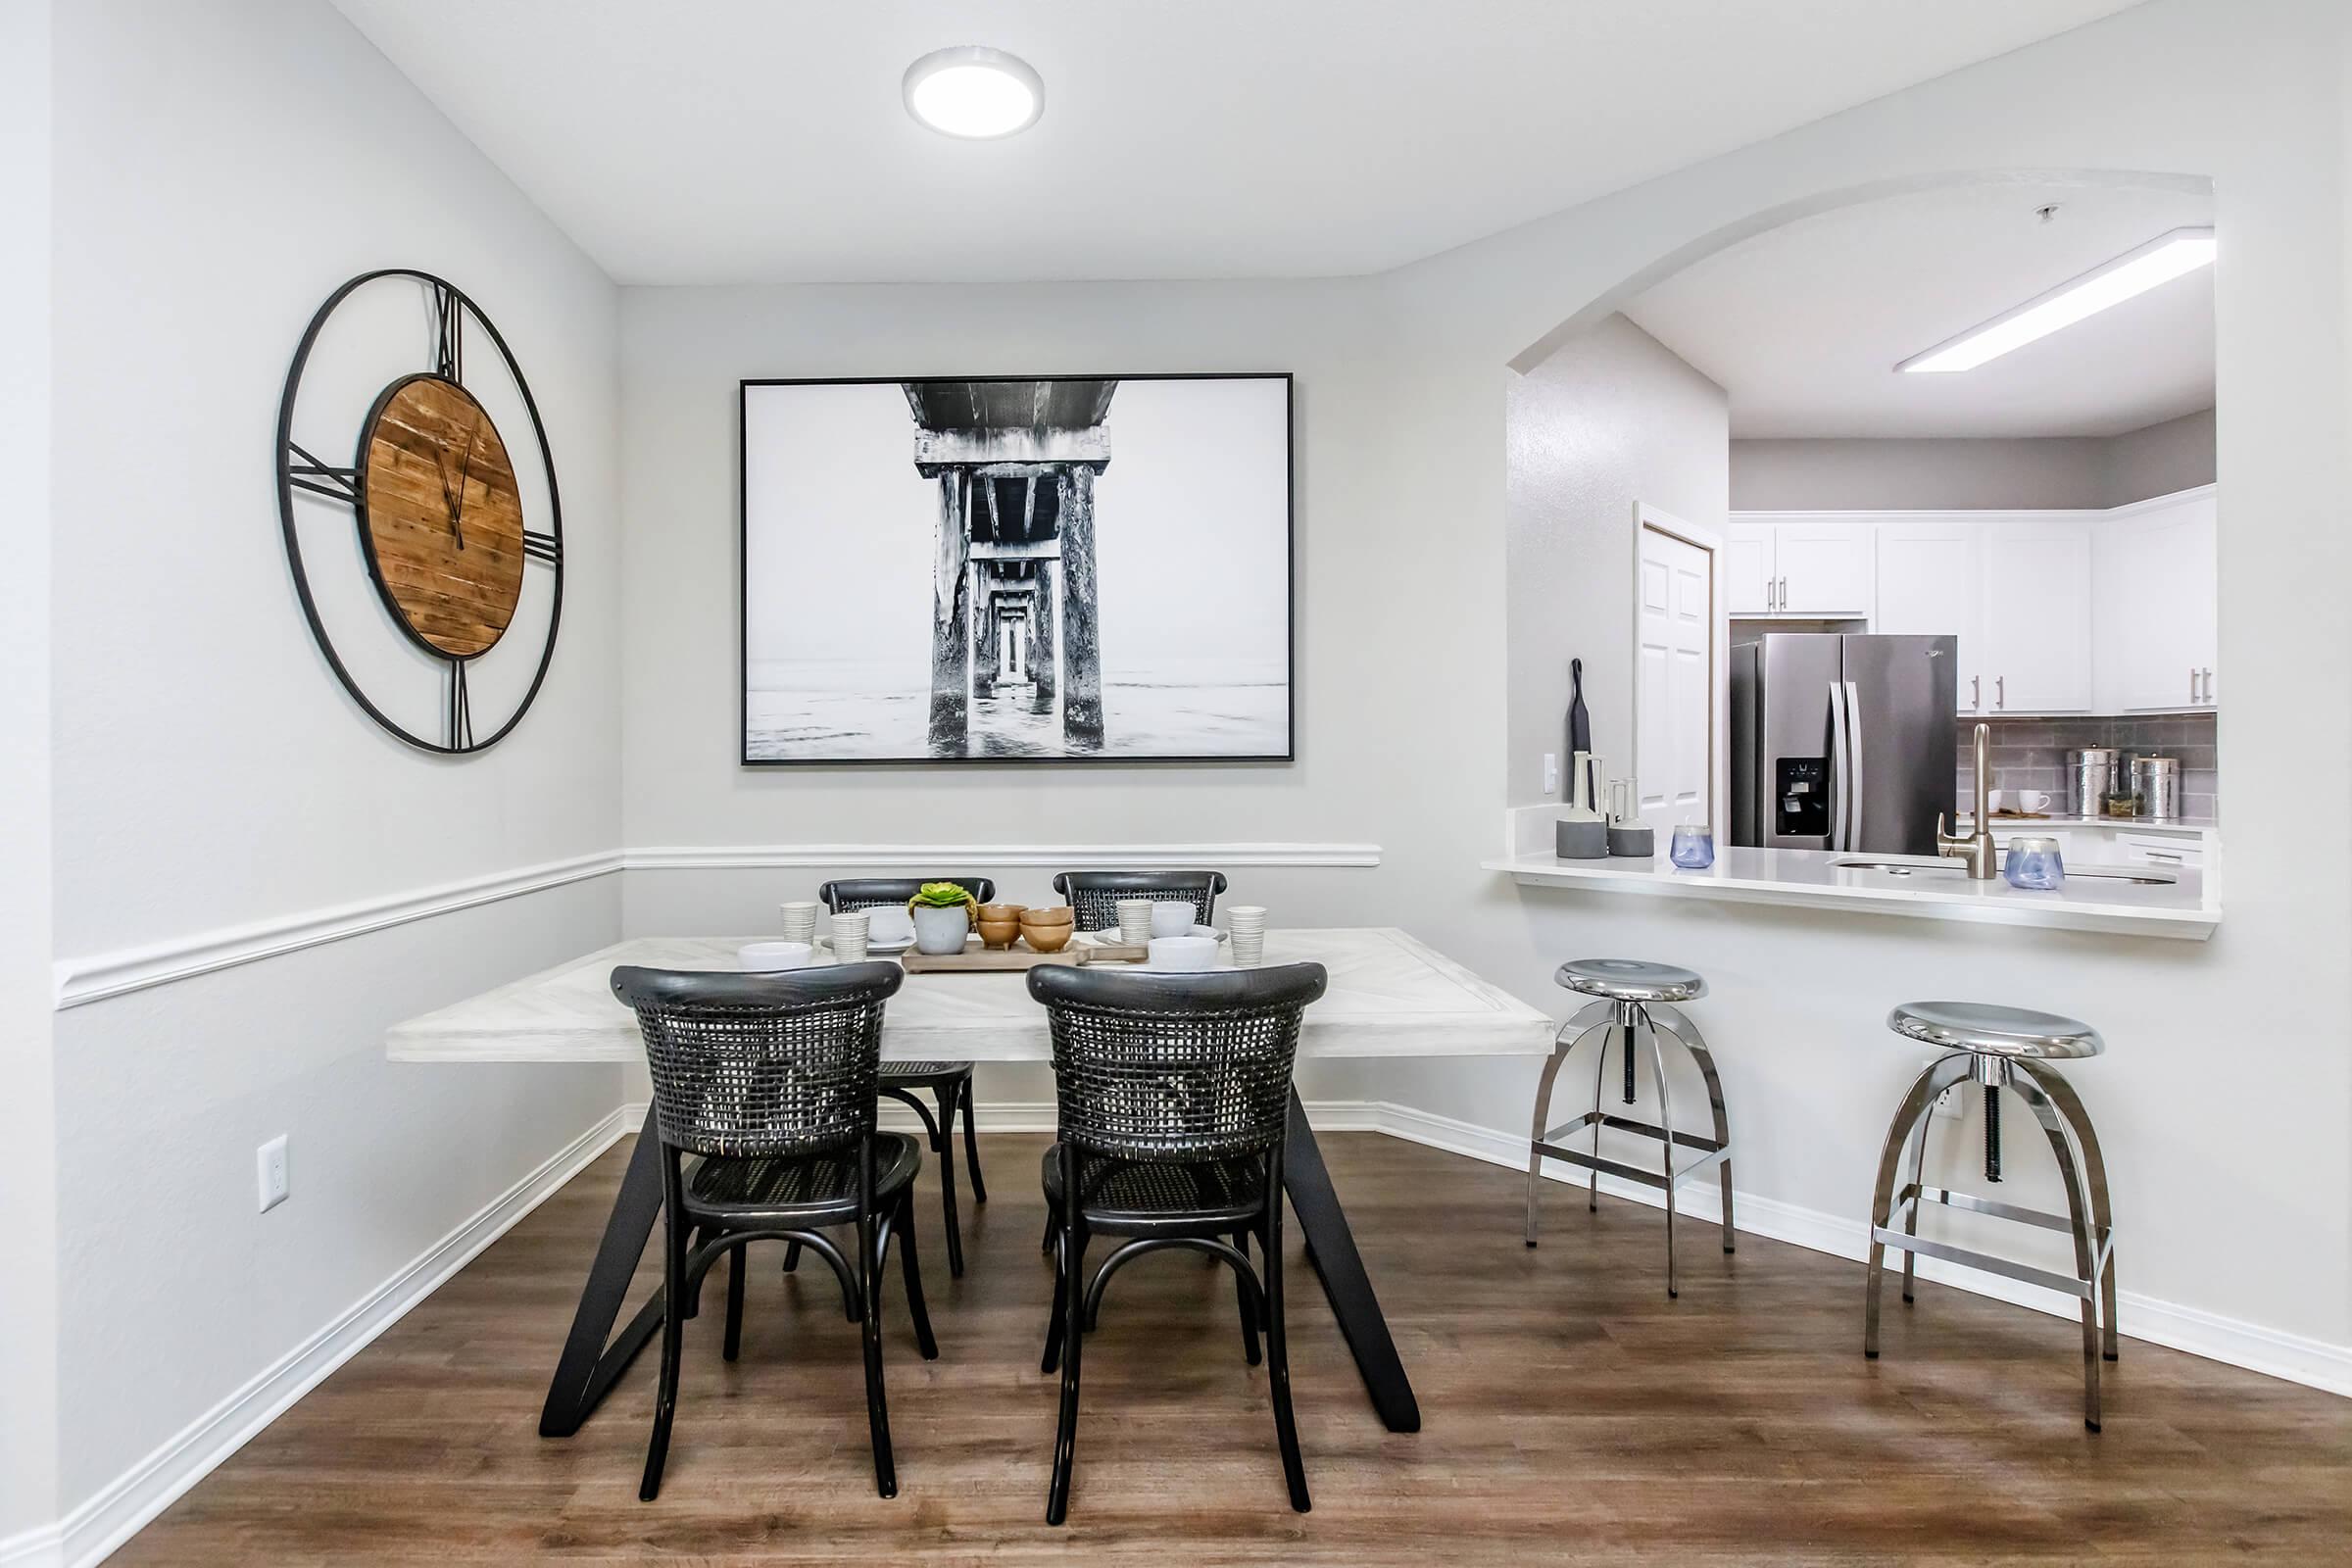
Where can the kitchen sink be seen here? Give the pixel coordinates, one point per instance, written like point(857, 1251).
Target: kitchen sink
point(2145, 877)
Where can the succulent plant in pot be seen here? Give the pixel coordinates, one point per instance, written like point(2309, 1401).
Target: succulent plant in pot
point(942, 916)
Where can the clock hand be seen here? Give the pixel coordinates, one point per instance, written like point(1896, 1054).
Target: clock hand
point(457, 511)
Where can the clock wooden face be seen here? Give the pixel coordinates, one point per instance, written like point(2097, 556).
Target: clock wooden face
point(441, 515)
point(462, 587)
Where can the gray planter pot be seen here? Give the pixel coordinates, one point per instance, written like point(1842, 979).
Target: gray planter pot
point(938, 931)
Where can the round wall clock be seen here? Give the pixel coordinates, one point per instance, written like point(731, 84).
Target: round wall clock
point(462, 553)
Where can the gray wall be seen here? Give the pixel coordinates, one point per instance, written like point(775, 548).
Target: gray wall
point(1614, 417)
point(2161, 459)
point(218, 170)
point(2056, 472)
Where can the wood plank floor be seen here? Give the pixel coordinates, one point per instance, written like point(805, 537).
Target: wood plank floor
point(1573, 1414)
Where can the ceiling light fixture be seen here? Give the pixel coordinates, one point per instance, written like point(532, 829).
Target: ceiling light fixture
point(974, 92)
point(2132, 273)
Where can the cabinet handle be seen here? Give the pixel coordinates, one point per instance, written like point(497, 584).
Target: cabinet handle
point(2208, 674)
point(1975, 693)
point(1783, 593)
point(2000, 691)
point(2192, 684)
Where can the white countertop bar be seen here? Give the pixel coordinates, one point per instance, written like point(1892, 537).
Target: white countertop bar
point(1928, 889)
point(1389, 996)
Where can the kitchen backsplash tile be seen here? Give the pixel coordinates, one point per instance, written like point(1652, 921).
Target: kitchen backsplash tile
point(2029, 754)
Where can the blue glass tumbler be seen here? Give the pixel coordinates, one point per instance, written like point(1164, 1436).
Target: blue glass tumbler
point(1693, 846)
point(2034, 864)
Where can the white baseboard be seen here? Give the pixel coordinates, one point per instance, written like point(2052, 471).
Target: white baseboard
point(105, 1521)
point(111, 1517)
point(2314, 1363)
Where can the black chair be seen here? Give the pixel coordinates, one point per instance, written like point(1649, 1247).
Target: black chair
point(1095, 895)
point(1174, 1093)
point(949, 1082)
point(771, 1079)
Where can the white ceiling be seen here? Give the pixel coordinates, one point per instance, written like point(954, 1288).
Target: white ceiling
point(699, 141)
point(1803, 324)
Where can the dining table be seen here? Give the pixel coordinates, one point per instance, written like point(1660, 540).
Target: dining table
point(1389, 994)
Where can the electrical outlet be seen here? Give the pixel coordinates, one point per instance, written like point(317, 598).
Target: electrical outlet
point(269, 1172)
point(1947, 1104)
point(1551, 772)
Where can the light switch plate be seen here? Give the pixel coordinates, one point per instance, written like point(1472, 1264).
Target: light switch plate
point(269, 1172)
point(1947, 1104)
point(1551, 772)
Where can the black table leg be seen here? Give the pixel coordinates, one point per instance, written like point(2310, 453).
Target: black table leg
point(588, 1368)
point(1331, 1248)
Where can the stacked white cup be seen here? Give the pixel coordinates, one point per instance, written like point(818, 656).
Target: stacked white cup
point(850, 931)
point(799, 921)
point(1245, 925)
point(1134, 921)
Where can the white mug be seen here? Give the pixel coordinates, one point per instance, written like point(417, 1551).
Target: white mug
point(1135, 921)
point(1173, 918)
point(800, 920)
point(888, 922)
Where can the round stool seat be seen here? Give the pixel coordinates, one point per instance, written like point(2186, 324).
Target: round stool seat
point(1631, 980)
point(1995, 1031)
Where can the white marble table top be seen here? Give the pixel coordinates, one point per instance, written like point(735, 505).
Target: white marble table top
point(1390, 996)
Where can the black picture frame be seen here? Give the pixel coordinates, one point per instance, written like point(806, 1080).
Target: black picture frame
point(1287, 755)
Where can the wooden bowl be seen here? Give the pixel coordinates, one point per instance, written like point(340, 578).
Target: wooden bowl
point(1045, 938)
point(1001, 911)
point(1061, 914)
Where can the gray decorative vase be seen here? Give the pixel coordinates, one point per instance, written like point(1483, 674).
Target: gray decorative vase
point(1631, 841)
point(1581, 839)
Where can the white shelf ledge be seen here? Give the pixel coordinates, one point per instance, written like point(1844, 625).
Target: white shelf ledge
point(1917, 887)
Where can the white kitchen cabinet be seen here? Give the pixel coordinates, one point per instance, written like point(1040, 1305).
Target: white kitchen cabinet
point(2155, 604)
point(1813, 568)
point(2035, 657)
point(1747, 564)
point(1932, 583)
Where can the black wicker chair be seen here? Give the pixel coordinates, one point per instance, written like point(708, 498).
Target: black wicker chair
point(949, 1082)
point(1095, 895)
point(1174, 1093)
point(771, 1079)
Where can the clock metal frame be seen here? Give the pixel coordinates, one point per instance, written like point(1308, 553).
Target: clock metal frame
point(299, 469)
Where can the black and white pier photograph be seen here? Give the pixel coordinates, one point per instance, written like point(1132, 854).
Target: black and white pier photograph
point(1053, 569)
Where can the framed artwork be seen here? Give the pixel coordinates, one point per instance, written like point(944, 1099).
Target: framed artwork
point(1039, 570)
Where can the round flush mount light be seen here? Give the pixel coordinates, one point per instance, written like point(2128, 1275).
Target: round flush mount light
point(974, 92)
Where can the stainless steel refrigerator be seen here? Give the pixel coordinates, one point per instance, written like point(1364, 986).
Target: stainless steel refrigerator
point(1842, 743)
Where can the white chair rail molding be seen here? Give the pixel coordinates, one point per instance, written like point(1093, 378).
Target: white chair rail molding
point(790, 774)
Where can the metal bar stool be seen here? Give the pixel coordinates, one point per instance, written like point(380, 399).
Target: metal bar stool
point(1634, 998)
point(2002, 1047)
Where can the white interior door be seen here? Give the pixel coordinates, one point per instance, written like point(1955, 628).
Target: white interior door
point(1676, 679)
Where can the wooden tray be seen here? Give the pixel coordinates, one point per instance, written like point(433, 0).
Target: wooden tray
point(976, 959)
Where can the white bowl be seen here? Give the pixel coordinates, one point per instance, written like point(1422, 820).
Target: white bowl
point(773, 957)
point(1183, 955)
point(1173, 918)
point(890, 922)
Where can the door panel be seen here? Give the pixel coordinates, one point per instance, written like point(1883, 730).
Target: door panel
point(1824, 568)
point(2036, 657)
point(1748, 567)
point(1902, 702)
point(1793, 750)
point(1931, 583)
point(1674, 758)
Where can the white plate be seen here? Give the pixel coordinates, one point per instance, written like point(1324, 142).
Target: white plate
point(875, 949)
point(1108, 936)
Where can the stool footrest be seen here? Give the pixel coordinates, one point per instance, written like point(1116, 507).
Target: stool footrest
point(1985, 1206)
point(1631, 1173)
point(1626, 1124)
point(2063, 1284)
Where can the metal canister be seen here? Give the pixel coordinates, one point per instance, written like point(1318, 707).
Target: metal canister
point(2157, 780)
point(2092, 773)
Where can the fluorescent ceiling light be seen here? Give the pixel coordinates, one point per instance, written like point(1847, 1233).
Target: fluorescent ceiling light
point(2159, 261)
point(974, 92)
